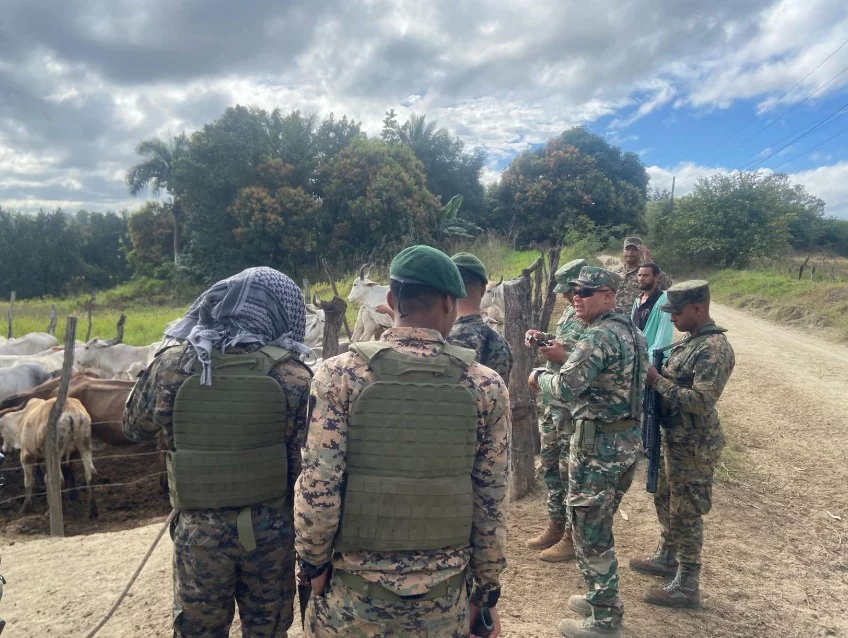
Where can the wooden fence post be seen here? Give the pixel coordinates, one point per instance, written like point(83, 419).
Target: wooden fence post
point(51, 453)
point(334, 312)
point(119, 335)
point(550, 298)
point(11, 314)
point(518, 312)
point(51, 329)
point(336, 293)
point(89, 305)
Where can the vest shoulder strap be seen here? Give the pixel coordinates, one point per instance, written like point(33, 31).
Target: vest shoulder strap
point(466, 355)
point(277, 354)
point(369, 349)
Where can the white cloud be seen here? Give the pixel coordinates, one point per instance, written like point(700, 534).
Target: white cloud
point(830, 183)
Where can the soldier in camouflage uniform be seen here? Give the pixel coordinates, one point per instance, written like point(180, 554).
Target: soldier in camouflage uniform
point(556, 427)
point(470, 331)
point(244, 552)
point(603, 380)
point(635, 252)
point(369, 514)
point(690, 384)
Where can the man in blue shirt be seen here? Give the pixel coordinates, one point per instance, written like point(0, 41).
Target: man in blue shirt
point(646, 311)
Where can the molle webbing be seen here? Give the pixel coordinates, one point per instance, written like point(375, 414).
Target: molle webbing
point(230, 438)
point(410, 454)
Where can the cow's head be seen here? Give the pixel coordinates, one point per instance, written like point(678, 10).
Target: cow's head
point(10, 428)
point(361, 285)
point(492, 291)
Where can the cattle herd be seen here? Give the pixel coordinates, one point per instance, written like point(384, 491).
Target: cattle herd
point(104, 374)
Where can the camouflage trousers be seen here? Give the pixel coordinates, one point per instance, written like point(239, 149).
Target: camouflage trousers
point(338, 611)
point(212, 571)
point(598, 481)
point(685, 489)
point(555, 430)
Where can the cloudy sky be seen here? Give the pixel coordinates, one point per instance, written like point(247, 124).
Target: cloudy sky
point(694, 87)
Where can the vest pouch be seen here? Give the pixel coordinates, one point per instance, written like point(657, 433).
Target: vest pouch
point(584, 433)
point(201, 479)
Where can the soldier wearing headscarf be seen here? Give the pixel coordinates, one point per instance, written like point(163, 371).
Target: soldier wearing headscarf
point(231, 402)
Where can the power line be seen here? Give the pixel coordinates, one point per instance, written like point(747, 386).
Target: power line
point(780, 99)
point(770, 124)
point(810, 130)
point(842, 132)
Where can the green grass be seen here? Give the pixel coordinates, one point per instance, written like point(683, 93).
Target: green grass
point(781, 297)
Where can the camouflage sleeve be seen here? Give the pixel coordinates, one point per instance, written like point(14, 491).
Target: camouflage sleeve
point(586, 361)
point(318, 491)
point(489, 476)
point(712, 364)
point(294, 380)
point(499, 356)
point(138, 414)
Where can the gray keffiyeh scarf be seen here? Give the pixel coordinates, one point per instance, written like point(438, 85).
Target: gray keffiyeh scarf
point(258, 305)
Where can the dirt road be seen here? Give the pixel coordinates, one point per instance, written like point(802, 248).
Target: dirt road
point(776, 555)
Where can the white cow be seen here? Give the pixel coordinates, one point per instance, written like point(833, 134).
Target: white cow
point(51, 362)
point(492, 303)
point(314, 326)
point(113, 361)
point(31, 343)
point(368, 294)
point(21, 377)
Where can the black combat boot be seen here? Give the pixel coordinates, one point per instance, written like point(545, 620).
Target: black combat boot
point(662, 563)
point(681, 593)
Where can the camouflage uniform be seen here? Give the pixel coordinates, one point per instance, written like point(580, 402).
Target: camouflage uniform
point(211, 568)
point(492, 349)
point(693, 380)
point(318, 498)
point(556, 425)
point(603, 380)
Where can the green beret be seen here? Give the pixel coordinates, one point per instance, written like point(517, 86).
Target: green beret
point(569, 271)
point(468, 263)
point(685, 293)
point(632, 241)
point(427, 266)
point(593, 277)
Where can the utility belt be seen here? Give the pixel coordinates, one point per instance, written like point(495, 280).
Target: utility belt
point(356, 583)
point(585, 431)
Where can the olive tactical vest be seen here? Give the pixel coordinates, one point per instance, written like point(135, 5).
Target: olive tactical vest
point(230, 438)
point(410, 453)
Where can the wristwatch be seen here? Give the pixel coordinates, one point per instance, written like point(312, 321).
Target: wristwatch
point(309, 570)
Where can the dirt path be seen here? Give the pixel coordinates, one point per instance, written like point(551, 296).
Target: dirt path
point(776, 558)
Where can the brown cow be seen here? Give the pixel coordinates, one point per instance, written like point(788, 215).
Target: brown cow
point(27, 430)
point(104, 399)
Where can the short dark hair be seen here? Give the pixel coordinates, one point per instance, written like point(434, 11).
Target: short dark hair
point(414, 298)
point(469, 278)
point(654, 268)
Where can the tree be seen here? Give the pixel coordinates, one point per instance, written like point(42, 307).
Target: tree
point(151, 231)
point(450, 170)
point(728, 220)
point(544, 191)
point(156, 172)
point(375, 198)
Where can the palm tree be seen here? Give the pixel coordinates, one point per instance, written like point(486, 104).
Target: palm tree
point(156, 173)
point(419, 134)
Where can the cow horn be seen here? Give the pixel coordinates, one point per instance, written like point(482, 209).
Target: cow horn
point(362, 272)
point(501, 281)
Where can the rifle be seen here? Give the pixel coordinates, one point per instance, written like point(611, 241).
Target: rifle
point(652, 407)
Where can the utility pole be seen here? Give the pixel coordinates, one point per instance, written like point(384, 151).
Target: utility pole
point(673, 180)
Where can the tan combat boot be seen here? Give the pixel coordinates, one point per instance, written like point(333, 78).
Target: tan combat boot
point(662, 563)
point(578, 603)
point(550, 537)
point(561, 552)
point(681, 593)
point(586, 629)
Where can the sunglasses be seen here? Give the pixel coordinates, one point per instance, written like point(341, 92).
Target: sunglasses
point(585, 293)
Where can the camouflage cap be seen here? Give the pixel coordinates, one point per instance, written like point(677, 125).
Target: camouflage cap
point(468, 263)
point(593, 277)
point(566, 272)
point(427, 266)
point(685, 293)
point(633, 241)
